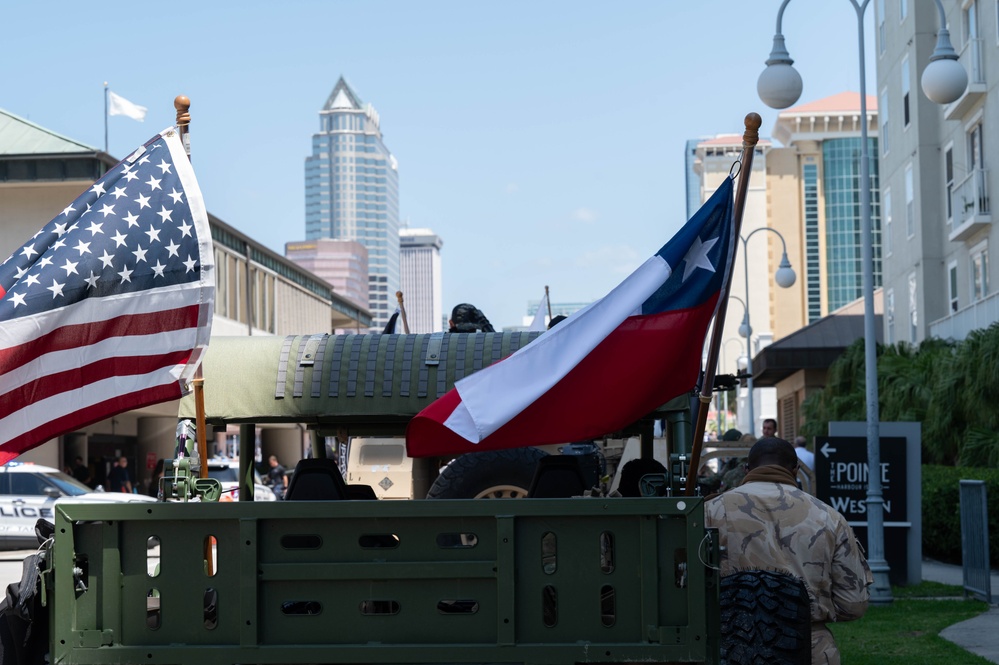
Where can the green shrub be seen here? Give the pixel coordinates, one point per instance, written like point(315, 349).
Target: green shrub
point(942, 511)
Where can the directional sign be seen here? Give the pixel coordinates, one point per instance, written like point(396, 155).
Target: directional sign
point(841, 475)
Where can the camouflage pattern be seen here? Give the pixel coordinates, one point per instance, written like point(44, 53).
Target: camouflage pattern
point(776, 526)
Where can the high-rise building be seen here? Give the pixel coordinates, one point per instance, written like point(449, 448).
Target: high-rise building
point(342, 263)
point(936, 183)
point(420, 275)
point(352, 191)
point(808, 190)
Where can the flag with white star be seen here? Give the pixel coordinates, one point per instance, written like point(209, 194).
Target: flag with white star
point(108, 308)
point(604, 367)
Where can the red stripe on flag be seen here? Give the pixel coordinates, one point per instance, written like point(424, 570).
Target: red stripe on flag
point(84, 334)
point(78, 377)
point(641, 365)
point(88, 416)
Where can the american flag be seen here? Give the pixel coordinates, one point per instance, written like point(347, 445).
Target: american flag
point(108, 308)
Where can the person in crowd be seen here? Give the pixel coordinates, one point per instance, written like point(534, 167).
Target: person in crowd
point(119, 478)
point(277, 477)
point(805, 456)
point(468, 318)
point(768, 523)
point(80, 471)
point(769, 427)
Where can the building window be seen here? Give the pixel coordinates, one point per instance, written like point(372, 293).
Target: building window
point(903, 10)
point(913, 309)
point(813, 278)
point(886, 206)
point(910, 222)
point(949, 181)
point(881, 26)
point(890, 315)
point(952, 285)
point(979, 271)
point(905, 91)
point(884, 115)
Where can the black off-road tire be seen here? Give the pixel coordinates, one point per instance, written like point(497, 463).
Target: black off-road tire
point(493, 474)
point(765, 619)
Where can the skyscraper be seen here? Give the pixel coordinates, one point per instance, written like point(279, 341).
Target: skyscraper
point(420, 267)
point(352, 191)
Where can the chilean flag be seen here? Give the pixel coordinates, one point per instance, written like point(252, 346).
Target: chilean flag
point(604, 367)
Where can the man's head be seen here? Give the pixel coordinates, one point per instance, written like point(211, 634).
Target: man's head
point(123, 462)
point(468, 318)
point(800, 442)
point(769, 427)
point(79, 460)
point(771, 450)
point(272, 460)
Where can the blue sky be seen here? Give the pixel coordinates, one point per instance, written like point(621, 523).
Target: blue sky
point(542, 140)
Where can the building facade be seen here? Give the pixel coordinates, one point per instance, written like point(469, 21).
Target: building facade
point(352, 191)
point(420, 276)
point(937, 177)
point(342, 263)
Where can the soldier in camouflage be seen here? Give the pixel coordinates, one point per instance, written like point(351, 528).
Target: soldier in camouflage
point(768, 523)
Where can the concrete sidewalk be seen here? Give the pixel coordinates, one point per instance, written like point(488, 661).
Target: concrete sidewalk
point(979, 635)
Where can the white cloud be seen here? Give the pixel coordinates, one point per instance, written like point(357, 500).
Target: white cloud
point(585, 215)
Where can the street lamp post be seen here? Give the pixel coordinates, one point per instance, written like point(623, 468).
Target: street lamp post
point(779, 86)
point(785, 278)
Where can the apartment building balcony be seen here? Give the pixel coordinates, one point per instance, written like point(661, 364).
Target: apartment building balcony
point(971, 205)
point(974, 64)
point(957, 326)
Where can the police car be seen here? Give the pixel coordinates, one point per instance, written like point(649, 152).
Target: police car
point(30, 491)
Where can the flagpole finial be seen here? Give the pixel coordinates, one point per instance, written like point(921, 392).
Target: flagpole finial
point(183, 105)
point(752, 134)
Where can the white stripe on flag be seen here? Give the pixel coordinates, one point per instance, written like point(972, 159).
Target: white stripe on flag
point(486, 404)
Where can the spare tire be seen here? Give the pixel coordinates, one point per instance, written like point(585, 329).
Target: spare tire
point(765, 618)
point(492, 474)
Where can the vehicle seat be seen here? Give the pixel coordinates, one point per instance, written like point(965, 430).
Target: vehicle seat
point(558, 476)
point(316, 479)
point(357, 491)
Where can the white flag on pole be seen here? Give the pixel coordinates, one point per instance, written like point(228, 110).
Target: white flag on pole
point(121, 106)
point(539, 316)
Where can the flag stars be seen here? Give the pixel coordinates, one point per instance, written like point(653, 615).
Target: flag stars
point(126, 274)
point(28, 251)
point(119, 239)
point(140, 254)
point(58, 244)
point(143, 201)
point(70, 268)
point(190, 264)
point(46, 261)
point(185, 229)
point(56, 289)
point(154, 234)
point(165, 214)
point(164, 166)
point(60, 229)
point(131, 175)
point(20, 272)
point(17, 299)
point(31, 280)
point(68, 209)
point(132, 219)
point(176, 196)
point(92, 280)
point(107, 210)
point(153, 183)
point(697, 257)
point(106, 259)
point(118, 192)
point(98, 188)
point(82, 247)
point(172, 249)
point(95, 228)
point(158, 269)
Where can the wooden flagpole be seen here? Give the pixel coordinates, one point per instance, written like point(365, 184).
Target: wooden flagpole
point(183, 105)
point(548, 301)
point(402, 312)
point(749, 140)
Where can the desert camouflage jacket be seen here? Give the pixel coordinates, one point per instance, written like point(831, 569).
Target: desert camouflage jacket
point(777, 526)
